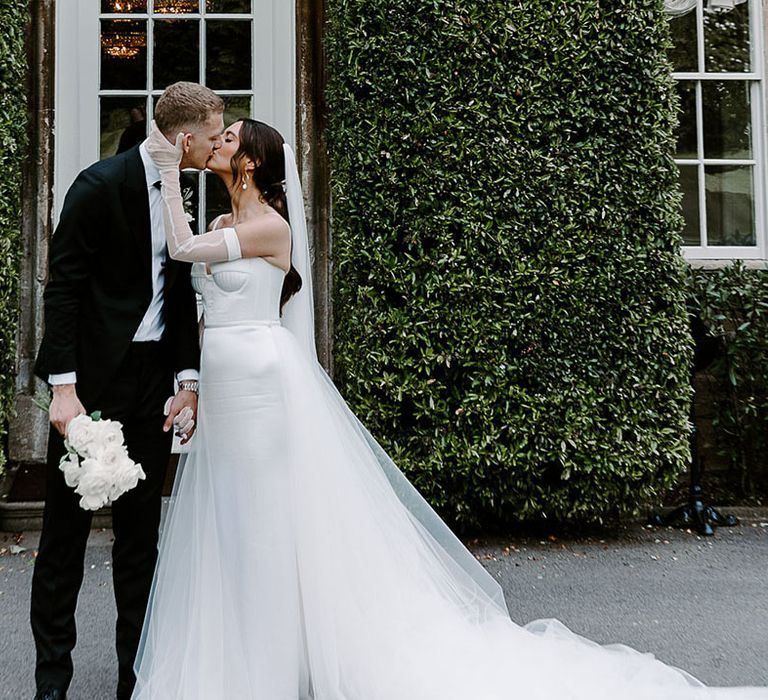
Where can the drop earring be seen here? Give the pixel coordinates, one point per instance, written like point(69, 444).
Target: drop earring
point(245, 181)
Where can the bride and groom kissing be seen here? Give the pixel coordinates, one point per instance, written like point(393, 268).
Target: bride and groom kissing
point(296, 561)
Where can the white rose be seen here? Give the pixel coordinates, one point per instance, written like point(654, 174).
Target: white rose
point(93, 502)
point(114, 493)
point(128, 476)
point(70, 465)
point(111, 457)
point(107, 436)
point(94, 484)
point(81, 433)
point(110, 433)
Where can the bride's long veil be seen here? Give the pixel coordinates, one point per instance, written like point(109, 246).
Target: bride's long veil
point(297, 561)
point(298, 317)
point(437, 587)
point(298, 312)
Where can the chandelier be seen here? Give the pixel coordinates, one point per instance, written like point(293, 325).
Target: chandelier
point(176, 7)
point(162, 7)
point(123, 41)
point(120, 6)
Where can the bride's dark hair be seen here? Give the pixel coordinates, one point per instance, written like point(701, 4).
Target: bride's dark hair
point(264, 146)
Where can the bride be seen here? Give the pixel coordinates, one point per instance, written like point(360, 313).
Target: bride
point(296, 561)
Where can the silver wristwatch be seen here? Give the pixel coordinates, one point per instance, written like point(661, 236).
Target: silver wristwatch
point(188, 385)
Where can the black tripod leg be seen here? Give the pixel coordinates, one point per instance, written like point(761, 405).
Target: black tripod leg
point(716, 517)
point(680, 515)
point(700, 516)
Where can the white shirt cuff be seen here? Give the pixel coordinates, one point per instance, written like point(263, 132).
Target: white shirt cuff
point(66, 378)
point(188, 374)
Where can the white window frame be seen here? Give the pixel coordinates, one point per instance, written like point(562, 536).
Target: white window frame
point(756, 78)
point(77, 80)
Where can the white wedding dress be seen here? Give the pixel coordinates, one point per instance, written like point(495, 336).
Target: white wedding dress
point(297, 562)
point(294, 566)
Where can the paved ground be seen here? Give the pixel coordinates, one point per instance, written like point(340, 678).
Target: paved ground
point(701, 604)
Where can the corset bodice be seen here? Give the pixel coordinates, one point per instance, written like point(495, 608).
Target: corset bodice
point(240, 291)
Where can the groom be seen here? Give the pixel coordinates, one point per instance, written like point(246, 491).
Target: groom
point(120, 322)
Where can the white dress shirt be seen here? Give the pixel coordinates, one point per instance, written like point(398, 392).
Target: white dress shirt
point(152, 325)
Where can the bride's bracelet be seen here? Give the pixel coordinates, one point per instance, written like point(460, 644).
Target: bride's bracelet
point(188, 385)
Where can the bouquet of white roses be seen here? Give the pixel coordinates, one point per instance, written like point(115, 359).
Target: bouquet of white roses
point(97, 464)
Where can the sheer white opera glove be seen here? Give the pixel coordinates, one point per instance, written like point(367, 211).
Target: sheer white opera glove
point(215, 246)
point(184, 422)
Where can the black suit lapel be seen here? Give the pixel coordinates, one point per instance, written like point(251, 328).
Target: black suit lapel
point(171, 270)
point(136, 206)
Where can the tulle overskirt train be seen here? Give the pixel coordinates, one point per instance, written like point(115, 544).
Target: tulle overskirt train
point(297, 562)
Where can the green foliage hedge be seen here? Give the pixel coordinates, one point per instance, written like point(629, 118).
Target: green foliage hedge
point(509, 297)
point(733, 304)
point(13, 66)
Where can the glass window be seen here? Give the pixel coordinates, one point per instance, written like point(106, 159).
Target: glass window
point(228, 60)
point(123, 54)
point(119, 7)
point(716, 60)
point(123, 124)
point(146, 46)
point(689, 181)
point(213, 6)
point(177, 51)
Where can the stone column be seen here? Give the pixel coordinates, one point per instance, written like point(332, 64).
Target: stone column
point(29, 428)
point(312, 161)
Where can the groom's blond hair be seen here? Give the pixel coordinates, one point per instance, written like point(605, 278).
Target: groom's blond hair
point(186, 104)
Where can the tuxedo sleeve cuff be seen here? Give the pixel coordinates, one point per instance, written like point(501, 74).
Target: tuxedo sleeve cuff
point(66, 378)
point(188, 374)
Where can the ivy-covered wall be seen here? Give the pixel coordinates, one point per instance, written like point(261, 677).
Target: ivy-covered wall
point(13, 67)
point(509, 298)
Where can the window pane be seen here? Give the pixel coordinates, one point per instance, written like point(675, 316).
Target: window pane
point(123, 124)
point(727, 44)
point(176, 7)
point(177, 52)
point(121, 6)
point(689, 184)
point(123, 54)
point(228, 65)
point(727, 119)
point(683, 53)
point(236, 107)
point(190, 194)
point(687, 145)
point(730, 205)
point(228, 5)
point(217, 198)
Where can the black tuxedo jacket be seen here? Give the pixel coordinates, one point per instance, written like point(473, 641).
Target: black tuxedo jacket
point(100, 281)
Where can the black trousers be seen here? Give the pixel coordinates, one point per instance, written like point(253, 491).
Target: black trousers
point(136, 399)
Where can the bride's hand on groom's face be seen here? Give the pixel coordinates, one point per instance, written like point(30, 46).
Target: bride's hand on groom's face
point(164, 154)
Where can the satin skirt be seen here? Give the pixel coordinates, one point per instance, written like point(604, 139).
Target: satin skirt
point(296, 563)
